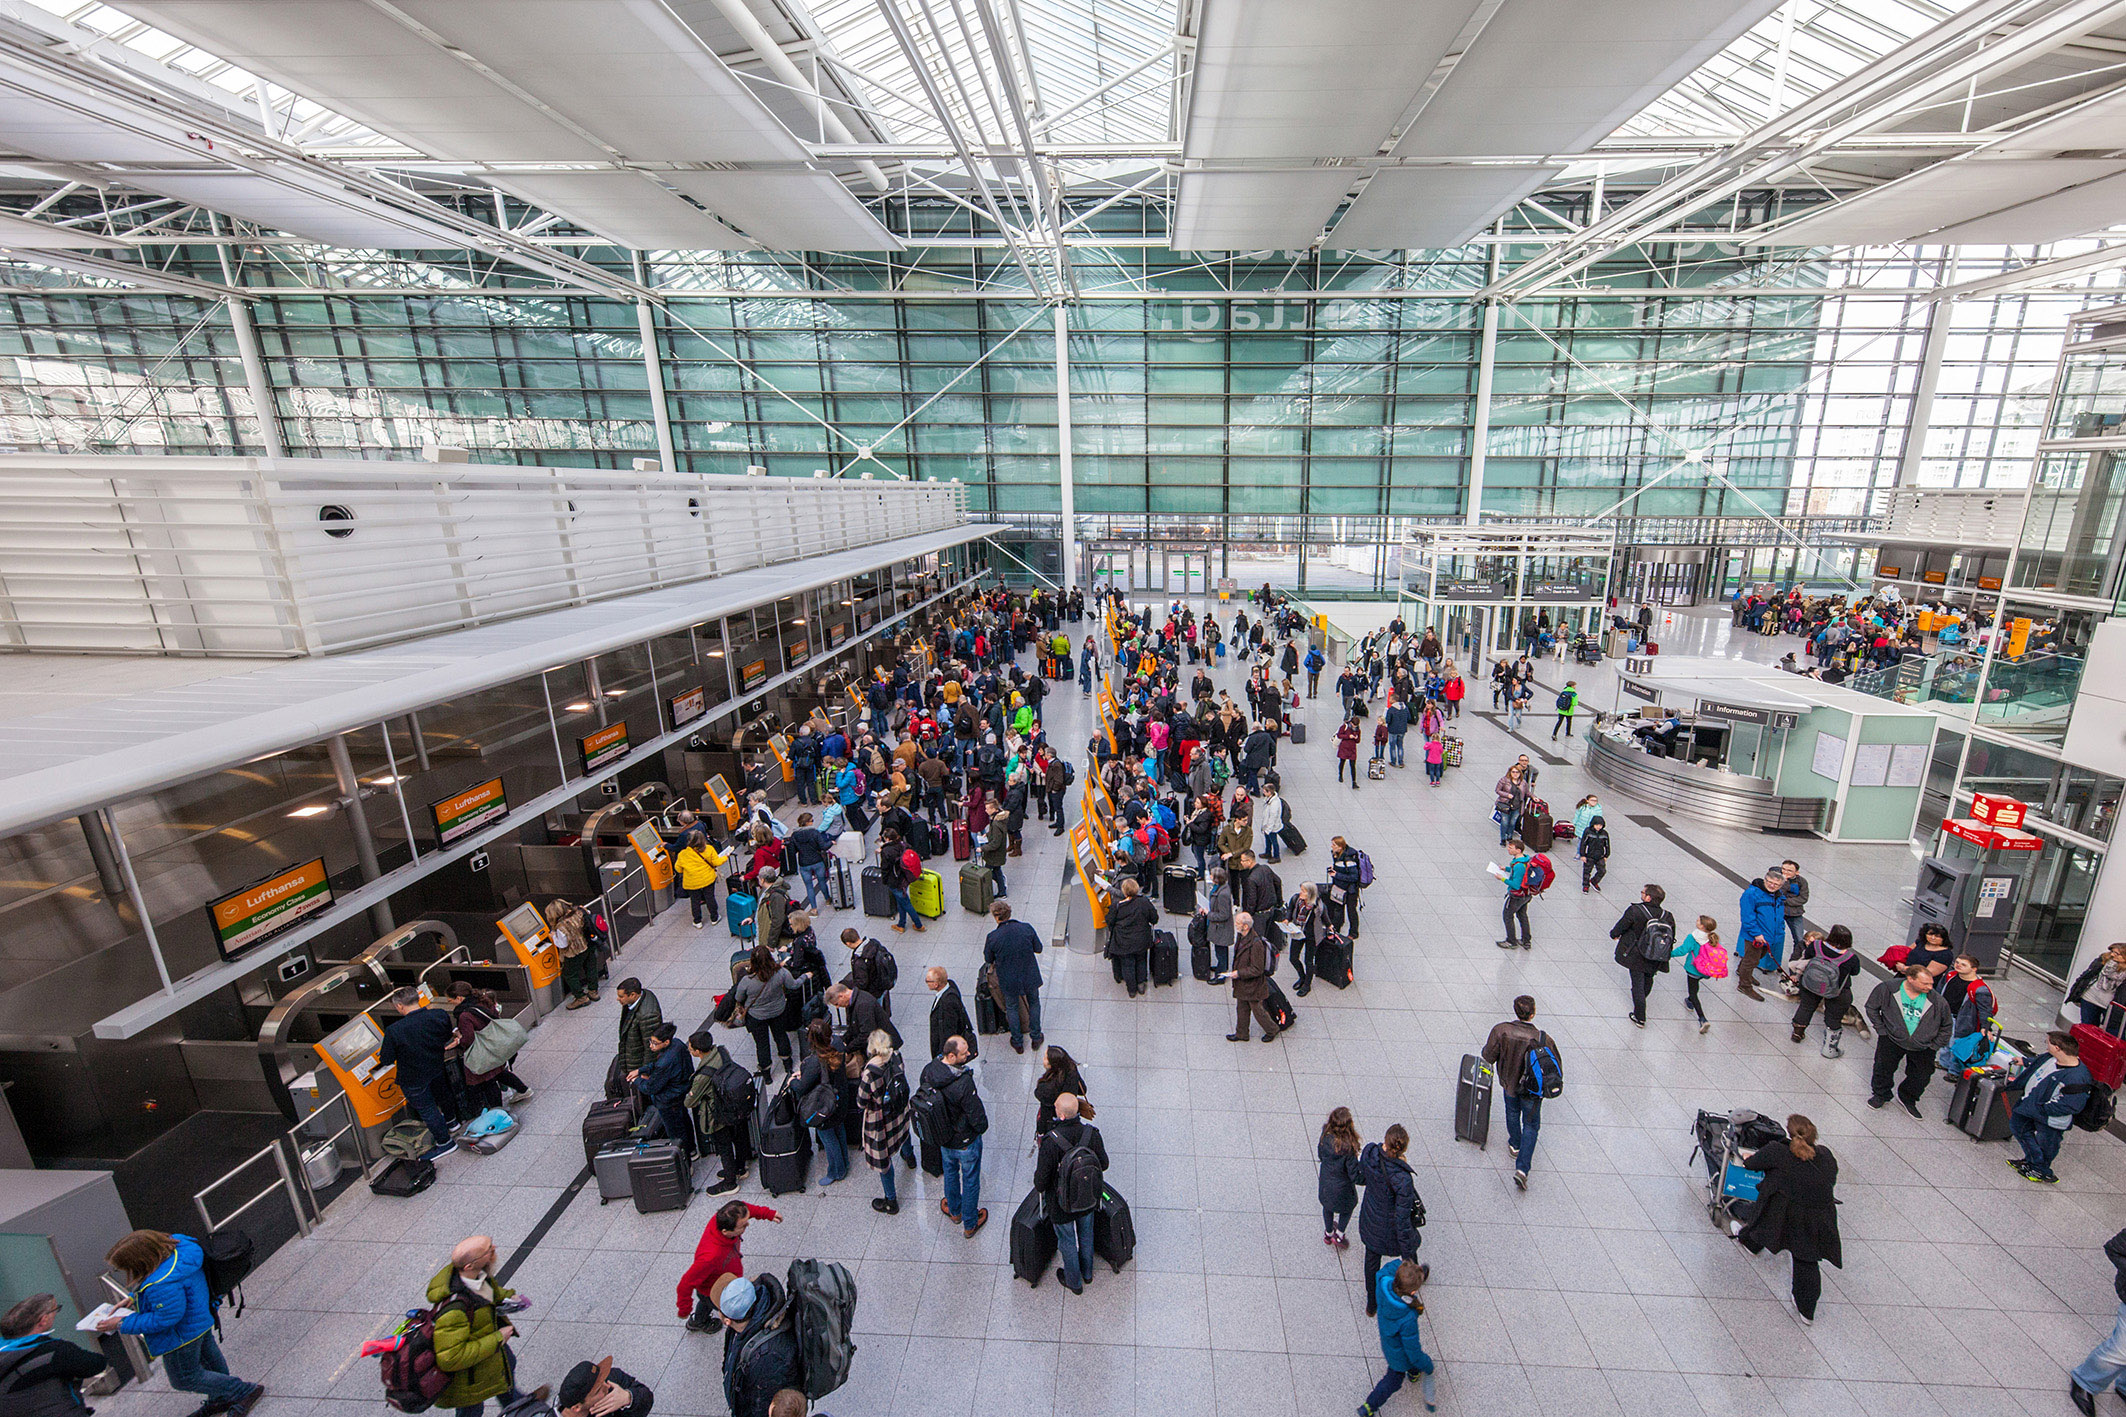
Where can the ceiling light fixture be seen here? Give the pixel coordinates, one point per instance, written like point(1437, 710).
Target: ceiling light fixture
point(578, 707)
point(312, 810)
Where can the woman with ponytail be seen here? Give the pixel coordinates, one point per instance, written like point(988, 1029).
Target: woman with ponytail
point(1796, 1210)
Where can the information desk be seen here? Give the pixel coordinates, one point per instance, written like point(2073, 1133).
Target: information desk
point(1709, 794)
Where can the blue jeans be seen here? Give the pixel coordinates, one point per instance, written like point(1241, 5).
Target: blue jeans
point(1085, 676)
point(1524, 1118)
point(1272, 846)
point(433, 1104)
point(963, 1182)
point(1392, 1383)
point(807, 784)
point(2092, 1014)
point(878, 722)
point(509, 1362)
point(1395, 749)
point(2106, 1363)
point(1032, 1015)
point(199, 1367)
point(885, 1177)
point(904, 910)
point(996, 877)
point(1509, 823)
point(815, 878)
point(2040, 1143)
point(836, 1147)
point(1074, 1243)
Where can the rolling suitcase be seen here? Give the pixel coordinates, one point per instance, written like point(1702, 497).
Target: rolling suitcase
point(1293, 841)
point(1033, 1240)
point(1280, 1007)
point(1299, 732)
point(1450, 750)
point(660, 1176)
point(1114, 1232)
point(1472, 1101)
point(933, 1158)
point(1332, 961)
point(1535, 829)
point(927, 894)
point(781, 1143)
point(988, 1013)
point(1178, 890)
point(838, 895)
point(605, 1123)
point(1376, 769)
point(738, 910)
point(1979, 1106)
point(977, 889)
point(962, 842)
point(877, 899)
point(741, 961)
point(1200, 964)
point(1166, 957)
point(610, 1166)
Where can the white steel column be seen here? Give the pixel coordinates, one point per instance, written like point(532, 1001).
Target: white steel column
point(1480, 433)
point(1941, 316)
point(653, 364)
point(247, 351)
point(1070, 501)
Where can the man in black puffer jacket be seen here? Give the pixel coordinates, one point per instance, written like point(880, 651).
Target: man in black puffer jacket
point(1387, 1218)
point(763, 1357)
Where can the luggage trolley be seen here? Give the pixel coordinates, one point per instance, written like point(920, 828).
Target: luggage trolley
point(1723, 1139)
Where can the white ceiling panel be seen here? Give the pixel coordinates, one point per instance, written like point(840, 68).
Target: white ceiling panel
point(626, 208)
point(2099, 124)
point(1554, 76)
point(1255, 211)
point(358, 222)
point(1275, 79)
point(43, 129)
point(361, 62)
point(1943, 195)
point(788, 211)
point(1432, 208)
point(21, 233)
point(2077, 211)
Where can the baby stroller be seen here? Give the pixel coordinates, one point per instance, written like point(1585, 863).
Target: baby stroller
point(1587, 651)
point(1723, 1139)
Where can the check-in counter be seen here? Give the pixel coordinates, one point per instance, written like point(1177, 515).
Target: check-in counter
point(1708, 794)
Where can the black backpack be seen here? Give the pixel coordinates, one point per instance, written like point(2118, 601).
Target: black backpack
point(885, 971)
point(1079, 1181)
point(931, 1117)
point(895, 1098)
point(1657, 940)
point(229, 1258)
point(2098, 1111)
point(822, 1306)
point(1199, 932)
point(736, 1094)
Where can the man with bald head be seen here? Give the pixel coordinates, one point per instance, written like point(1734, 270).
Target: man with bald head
point(948, 1012)
point(472, 1333)
point(1067, 1147)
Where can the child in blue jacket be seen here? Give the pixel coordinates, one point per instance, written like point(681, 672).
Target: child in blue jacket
point(1395, 1290)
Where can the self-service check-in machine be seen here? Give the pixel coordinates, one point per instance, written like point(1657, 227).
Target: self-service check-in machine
point(722, 800)
point(627, 834)
point(524, 929)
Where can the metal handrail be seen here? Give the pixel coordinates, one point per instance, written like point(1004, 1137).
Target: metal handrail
point(286, 1184)
point(352, 1128)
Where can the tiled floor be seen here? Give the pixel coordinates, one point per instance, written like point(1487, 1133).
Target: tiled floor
point(1603, 1289)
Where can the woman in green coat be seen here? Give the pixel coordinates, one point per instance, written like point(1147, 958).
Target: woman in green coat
point(472, 1335)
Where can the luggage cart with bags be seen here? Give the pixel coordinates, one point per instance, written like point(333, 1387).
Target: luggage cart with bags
point(1723, 1139)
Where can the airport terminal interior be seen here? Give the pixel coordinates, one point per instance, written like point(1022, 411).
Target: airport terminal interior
point(1638, 485)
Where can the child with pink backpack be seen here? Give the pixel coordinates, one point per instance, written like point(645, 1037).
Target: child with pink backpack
point(1704, 957)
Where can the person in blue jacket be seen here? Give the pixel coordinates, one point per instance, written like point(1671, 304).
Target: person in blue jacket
point(1762, 932)
point(1315, 662)
point(1396, 1290)
point(664, 1082)
point(173, 1314)
point(2054, 1090)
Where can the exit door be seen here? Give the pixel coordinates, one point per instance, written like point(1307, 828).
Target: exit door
point(1188, 570)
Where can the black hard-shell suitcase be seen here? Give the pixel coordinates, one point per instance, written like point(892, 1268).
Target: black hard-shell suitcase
point(1979, 1107)
point(782, 1144)
point(1166, 957)
point(1114, 1232)
point(1200, 963)
point(1293, 840)
point(607, 1122)
point(1178, 890)
point(1472, 1101)
point(1280, 1008)
point(1299, 731)
point(1033, 1240)
point(1332, 961)
point(933, 1158)
point(988, 1013)
point(661, 1176)
point(877, 899)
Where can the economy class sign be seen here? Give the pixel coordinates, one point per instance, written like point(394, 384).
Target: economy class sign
point(248, 916)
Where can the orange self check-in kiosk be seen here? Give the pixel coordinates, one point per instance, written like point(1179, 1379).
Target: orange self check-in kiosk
point(724, 800)
point(649, 847)
point(525, 930)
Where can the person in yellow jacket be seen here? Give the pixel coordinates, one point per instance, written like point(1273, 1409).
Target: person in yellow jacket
point(698, 863)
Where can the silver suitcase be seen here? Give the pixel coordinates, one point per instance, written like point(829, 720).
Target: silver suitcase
point(610, 1166)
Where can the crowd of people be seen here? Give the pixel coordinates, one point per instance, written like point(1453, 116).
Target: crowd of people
point(950, 748)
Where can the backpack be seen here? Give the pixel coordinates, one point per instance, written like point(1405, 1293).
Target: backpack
point(1710, 962)
point(407, 1139)
point(1542, 1073)
point(1539, 874)
point(1078, 1180)
point(1564, 700)
point(1657, 941)
point(822, 1305)
point(894, 1098)
point(884, 966)
point(412, 1381)
point(2098, 1111)
point(229, 1257)
point(929, 1109)
point(818, 1106)
point(1070, 774)
point(1221, 772)
point(1365, 870)
point(1821, 975)
point(911, 866)
point(735, 1094)
point(1199, 931)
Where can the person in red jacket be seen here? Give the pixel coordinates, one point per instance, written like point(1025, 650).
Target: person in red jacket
point(1347, 751)
point(714, 1257)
